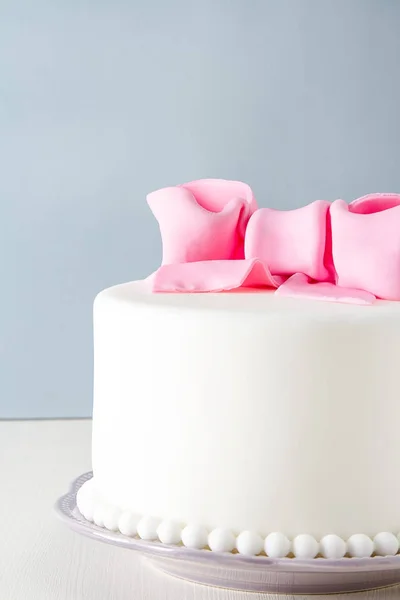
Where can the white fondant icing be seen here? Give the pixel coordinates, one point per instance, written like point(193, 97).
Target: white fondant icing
point(277, 545)
point(305, 546)
point(195, 536)
point(386, 544)
point(332, 546)
point(249, 543)
point(221, 540)
point(360, 545)
point(128, 523)
point(147, 528)
point(243, 374)
point(169, 532)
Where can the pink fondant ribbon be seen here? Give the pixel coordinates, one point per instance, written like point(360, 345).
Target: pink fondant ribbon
point(214, 276)
point(215, 239)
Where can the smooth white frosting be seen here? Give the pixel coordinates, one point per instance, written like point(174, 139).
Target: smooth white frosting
point(248, 412)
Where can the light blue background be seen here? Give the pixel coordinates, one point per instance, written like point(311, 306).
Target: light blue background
point(101, 102)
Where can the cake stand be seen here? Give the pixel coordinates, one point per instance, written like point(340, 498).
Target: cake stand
point(227, 570)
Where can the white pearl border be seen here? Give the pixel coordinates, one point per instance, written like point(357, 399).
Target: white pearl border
point(247, 543)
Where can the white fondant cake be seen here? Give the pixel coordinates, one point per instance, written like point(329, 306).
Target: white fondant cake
point(223, 419)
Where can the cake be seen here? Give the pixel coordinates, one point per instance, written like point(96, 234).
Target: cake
point(246, 395)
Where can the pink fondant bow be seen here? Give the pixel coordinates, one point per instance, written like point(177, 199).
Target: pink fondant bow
point(215, 239)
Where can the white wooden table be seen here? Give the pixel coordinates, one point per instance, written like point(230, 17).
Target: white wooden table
point(40, 559)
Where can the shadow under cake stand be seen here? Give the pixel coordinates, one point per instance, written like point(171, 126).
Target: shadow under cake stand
point(234, 571)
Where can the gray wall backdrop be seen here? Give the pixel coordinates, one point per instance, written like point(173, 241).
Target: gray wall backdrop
point(103, 101)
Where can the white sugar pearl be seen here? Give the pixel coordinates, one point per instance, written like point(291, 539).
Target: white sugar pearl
point(88, 512)
point(332, 546)
point(147, 528)
point(277, 545)
point(127, 523)
point(85, 500)
point(169, 532)
point(386, 544)
point(111, 517)
point(85, 489)
point(360, 545)
point(194, 536)
point(249, 543)
point(305, 546)
point(221, 540)
point(98, 514)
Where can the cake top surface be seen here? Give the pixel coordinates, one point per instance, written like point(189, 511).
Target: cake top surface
point(246, 301)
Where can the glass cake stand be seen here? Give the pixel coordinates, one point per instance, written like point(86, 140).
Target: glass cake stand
point(257, 574)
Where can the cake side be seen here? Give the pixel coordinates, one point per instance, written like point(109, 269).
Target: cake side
point(247, 411)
